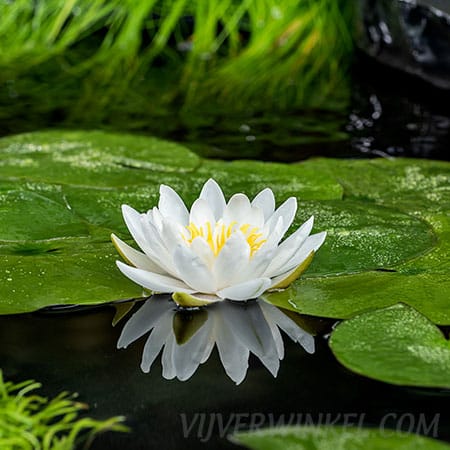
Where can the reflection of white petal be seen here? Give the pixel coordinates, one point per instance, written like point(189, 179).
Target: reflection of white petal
point(169, 371)
point(212, 193)
point(296, 333)
point(232, 259)
point(192, 270)
point(266, 201)
point(251, 329)
point(157, 339)
point(143, 320)
point(247, 290)
point(232, 353)
point(153, 281)
point(236, 329)
point(188, 356)
point(171, 206)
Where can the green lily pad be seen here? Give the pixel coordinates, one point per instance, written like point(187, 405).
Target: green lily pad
point(421, 282)
point(397, 345)
point(61, 192)
point(328, 437)
point(24, 216)
point(62, 275)
point(92, 158)
point(407, 184)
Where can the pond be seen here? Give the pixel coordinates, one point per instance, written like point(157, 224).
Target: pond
point(75, 349)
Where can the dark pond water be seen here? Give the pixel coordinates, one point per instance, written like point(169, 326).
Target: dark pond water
point(77, 351)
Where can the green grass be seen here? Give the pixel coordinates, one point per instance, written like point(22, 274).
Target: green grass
point(100, 61)
point(29, 421)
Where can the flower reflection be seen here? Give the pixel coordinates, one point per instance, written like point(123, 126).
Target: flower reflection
point(187, 337)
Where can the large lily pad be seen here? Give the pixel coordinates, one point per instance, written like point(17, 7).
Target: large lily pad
point(328, 437)
point(397, 345)
point(92, 158)
point(60, 197)
point(422, 282)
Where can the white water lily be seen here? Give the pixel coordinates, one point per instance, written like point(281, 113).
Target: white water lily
point(188, 339)
point(217, 250)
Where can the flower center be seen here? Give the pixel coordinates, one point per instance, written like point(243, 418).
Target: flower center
point(216, 236)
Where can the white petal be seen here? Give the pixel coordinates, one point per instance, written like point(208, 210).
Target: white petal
point(257, 265)
point(312, 243)
point(192, 270)
point(287, 211)
point(247, 290)
point(256, 217)
point(266, 201)
point(134, 257)
point(274, 236)
point(143, 320)
point(156, 249)
point(171, 235)
point(201, 213)
point(237, 210)
point(232, 259)
point(202, 249)
point(155, 216)
point(212, 193)
point(171, 206)
point(288, 248)
point(153, 281)
point(133, 222)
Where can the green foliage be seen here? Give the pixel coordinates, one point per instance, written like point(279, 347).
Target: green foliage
point(397, 345)
point(420, 189)
point(29, 421)
point(142, 56)
point(60, 198)
point(339, 438)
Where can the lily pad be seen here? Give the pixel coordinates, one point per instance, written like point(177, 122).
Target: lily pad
point(328, 437)
point(60, 197)
point(397, 345)
point(421, 282)
point(62, 275)
point(92, 158)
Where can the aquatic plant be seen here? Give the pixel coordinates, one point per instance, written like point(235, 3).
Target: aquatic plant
point(140, 57)
point(217, 250)
point(30, 421)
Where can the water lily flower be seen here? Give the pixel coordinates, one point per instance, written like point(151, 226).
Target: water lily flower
point(187, 339)
point(217, 250)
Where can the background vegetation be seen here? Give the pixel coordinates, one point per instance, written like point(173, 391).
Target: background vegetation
point(131, 64)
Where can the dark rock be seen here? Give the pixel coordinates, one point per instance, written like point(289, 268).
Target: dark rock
point(413, 36)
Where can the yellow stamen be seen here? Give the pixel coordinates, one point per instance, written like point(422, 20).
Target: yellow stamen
point(216, 236)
